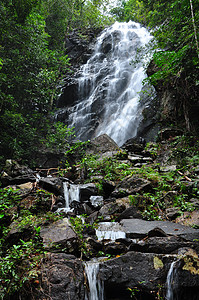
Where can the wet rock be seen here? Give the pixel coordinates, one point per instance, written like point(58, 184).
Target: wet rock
point(144, 270)
point(157, 232)
point(62, 278)
point(68, 97)
point(164, 245)
point(86, 191)
point(60, 234)
point(52, 184)
point(132, 185)
point(115, 248)
point(132, 269)
point(101, 144)
point(129, 213)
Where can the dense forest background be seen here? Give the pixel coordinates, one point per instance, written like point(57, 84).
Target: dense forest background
point(33, 60)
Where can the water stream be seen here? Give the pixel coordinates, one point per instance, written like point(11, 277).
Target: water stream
point(171, 281)
point(109, 85)
point(96, 286)
point(71, 193)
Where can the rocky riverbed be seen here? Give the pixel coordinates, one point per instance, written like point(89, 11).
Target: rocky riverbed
point(136, 218)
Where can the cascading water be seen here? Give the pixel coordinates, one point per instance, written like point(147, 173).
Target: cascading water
point(71, 193)
point(96, 287)
point(109, 85)
point(171, 281)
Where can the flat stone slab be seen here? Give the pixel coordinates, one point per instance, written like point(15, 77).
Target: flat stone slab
point(58, 232)
point(137, 228)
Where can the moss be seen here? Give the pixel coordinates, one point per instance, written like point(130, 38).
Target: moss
point(158, 264)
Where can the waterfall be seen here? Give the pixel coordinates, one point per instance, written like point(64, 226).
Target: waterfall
point(71, 193)
point(171, 281)
point(109, 85)
point(96, 287)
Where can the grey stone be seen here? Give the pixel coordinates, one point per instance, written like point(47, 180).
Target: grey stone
point(59, 233)
point(130, 186)
point(173, 212)
point(86, 191)
point(136, 228)
point(52, 184)
point(101, 144)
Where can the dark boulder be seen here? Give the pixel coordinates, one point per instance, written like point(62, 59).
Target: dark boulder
point(62, 277)
point(101, 144)
point(129, 213)
point(86, 191)
point(15, 174)
point(52, 184)
point(131, 185)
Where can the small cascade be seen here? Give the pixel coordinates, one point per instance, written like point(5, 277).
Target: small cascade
point(71, 193)
point(171, 281)
point(109, 231)
point(96, 286)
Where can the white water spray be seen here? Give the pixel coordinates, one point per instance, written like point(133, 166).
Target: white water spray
point(96, 286)
point(109, 85)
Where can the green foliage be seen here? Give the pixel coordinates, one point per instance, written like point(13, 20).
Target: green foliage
point(79, 224)
point(107, 167)
point(58, 137)
point(20, 260)
point(19, 266)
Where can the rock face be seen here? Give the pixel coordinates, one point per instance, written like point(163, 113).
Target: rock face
point(16, 174)
point(78, 48)
point(51, 184)
point(62, 278)
point(60, 234)
point(145, 271)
